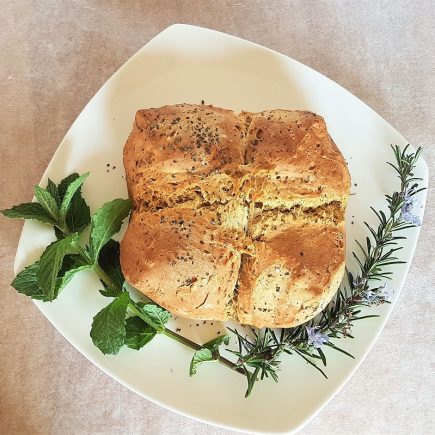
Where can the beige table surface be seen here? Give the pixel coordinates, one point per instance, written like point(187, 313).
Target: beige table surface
point(56, 54)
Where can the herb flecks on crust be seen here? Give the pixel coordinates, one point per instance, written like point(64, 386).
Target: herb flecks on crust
point(232, 200)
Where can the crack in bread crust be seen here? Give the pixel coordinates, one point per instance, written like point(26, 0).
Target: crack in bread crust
point(233, 301)
point(253, 183)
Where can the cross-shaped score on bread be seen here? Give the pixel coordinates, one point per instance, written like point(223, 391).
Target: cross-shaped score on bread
point(235, 217)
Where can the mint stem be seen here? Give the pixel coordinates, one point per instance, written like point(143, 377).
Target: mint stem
point(186, 341)
point(195, 346)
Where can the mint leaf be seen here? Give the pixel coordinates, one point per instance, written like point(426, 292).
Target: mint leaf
point(29, 210)
point(209, 352)
point(54, 192)
point(63, 185)
point(106, 222)
point(108, 327)
point(200, 356)
point(138, 333)
point(109, 261)
point(78, 216)
point(59, 234)
point(156, 316)
point(51, 263)
point(64, 280)
point(27, 284)
point(48, 202)
point(70, 261)
point(71, 190)
point(110, 292)
point(214, 344)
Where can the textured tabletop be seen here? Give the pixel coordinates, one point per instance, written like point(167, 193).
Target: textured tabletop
point(56, 54)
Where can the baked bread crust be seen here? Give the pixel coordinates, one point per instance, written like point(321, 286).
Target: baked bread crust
point(235, 217)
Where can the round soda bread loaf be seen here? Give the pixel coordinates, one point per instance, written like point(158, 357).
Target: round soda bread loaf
point(235, 217)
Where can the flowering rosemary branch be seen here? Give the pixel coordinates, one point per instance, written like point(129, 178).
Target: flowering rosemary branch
point(259, 353)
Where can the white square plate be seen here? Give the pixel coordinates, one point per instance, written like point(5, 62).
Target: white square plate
point(189, 64)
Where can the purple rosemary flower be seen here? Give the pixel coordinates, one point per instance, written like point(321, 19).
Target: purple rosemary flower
point(386, 292)
point(408, 205)
point(369, 296)
point(317, 339)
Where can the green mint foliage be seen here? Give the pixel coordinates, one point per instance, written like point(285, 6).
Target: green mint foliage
point(26, 283)
point(138, 333)
point(48, 202)
point(71, 190)
point(214, 344)
point(110, 292)
point(63, 185)
point(155, 316)
point(59, 233)
point(29, 210)
point(108, 329)
point(51, 261)
point(78, 216)
point(199, 357)
point(108, 260)
point(54, 192)
point(105, 223)
point(64, 280)
point(61, 206)
point(208, 352)
point(70, 261)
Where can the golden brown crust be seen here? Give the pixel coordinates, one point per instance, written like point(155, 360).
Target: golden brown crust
point(224, 205)
point(292, 157)
point(178, 257)
point(180, 153)
point(292, 272)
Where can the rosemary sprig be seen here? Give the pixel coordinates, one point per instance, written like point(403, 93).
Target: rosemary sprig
point(262, 349)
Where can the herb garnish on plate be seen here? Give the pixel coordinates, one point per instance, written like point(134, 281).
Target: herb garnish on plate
point(124, 322)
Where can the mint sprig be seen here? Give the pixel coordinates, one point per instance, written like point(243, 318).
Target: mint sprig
point(62, 206)
point(123, 322)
